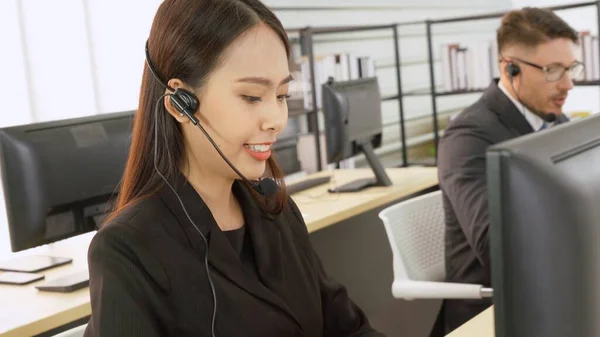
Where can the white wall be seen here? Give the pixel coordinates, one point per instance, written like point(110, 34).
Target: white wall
point(584, 18)
point(89, 59)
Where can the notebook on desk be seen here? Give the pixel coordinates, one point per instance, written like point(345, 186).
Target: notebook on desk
point(67, 283)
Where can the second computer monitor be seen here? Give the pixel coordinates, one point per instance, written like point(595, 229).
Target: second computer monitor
point(353, 126)
point(544, 202)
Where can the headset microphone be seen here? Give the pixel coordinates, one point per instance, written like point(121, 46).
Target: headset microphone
point(550, 117)
point(267, 187)
point(187, 103)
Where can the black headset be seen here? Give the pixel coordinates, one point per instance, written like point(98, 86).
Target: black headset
point(184, 101)
point(512, 70)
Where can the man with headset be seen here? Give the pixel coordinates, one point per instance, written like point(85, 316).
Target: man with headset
point(537, 66)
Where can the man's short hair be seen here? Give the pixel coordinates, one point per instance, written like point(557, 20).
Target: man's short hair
point(531, 26)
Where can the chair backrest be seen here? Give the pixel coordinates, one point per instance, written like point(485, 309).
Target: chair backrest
point(415, 229)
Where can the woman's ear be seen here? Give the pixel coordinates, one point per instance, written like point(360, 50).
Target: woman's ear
point(175, 83)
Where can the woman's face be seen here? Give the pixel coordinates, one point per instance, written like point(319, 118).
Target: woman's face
point(242, 106)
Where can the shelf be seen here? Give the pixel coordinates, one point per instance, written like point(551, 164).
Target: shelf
point(501, 13)
point(587, 83)
point(297, 112)
point(473, 91)
point(426, 92)
point(423, 161)
point(347, 29)
point(459, 92)
point(389, 97)
point(418, 92)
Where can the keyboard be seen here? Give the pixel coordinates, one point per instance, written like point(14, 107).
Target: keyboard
point(306, 184)
point(67, 283)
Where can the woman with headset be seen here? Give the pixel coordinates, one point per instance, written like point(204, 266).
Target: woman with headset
point(204, 240)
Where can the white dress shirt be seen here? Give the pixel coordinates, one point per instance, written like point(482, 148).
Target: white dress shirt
point(534, 120)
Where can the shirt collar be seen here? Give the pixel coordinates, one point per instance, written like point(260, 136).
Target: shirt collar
point(534, 120)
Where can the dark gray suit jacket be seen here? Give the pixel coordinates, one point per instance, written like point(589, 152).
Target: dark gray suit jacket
point(148, 276)
point(461, 170)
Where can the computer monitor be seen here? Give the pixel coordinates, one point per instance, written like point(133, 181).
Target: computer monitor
point(58, 177)
point(352, 111)
point(544, 203)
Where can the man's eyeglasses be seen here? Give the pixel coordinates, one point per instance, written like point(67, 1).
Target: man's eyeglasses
point(555, 72)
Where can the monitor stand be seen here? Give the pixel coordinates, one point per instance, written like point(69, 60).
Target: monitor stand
point(381, 177)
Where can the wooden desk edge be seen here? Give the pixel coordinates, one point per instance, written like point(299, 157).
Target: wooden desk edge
point(367, 206)
point(51, 322)
point(481, 325)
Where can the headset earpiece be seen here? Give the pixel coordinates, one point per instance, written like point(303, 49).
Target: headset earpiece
point(512, 70)
point(186, 103)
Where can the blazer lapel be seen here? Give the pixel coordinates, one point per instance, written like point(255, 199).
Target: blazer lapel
point(221, 255)
point(506, 111)
point(224, 259)
point(193, 215)
point(266, 242)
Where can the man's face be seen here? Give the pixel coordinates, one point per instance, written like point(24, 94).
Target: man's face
point(538, 90)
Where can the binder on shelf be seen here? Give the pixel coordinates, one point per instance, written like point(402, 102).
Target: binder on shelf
point(595, 58)
point(453, 69)
point(461, 68)
point(588, 53)
point(446, 68)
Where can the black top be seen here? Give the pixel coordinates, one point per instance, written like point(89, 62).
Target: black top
point(242, 245)
point(236, 238)
point(462, 176)
point(148, 275)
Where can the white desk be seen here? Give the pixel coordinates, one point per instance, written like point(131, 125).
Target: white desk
point(481, 325)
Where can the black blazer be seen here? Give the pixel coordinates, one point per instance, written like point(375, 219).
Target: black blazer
point(461, 173)
point(148, 276)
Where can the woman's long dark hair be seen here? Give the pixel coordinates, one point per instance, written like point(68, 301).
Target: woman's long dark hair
point(187, 40)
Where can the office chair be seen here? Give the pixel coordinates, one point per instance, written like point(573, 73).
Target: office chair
point(415, 229)
point(74, 332)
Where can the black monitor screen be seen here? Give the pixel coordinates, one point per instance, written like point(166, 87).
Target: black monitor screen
point(353, 125)
point(544, 200)
point(352, 112)
point(58, 177)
